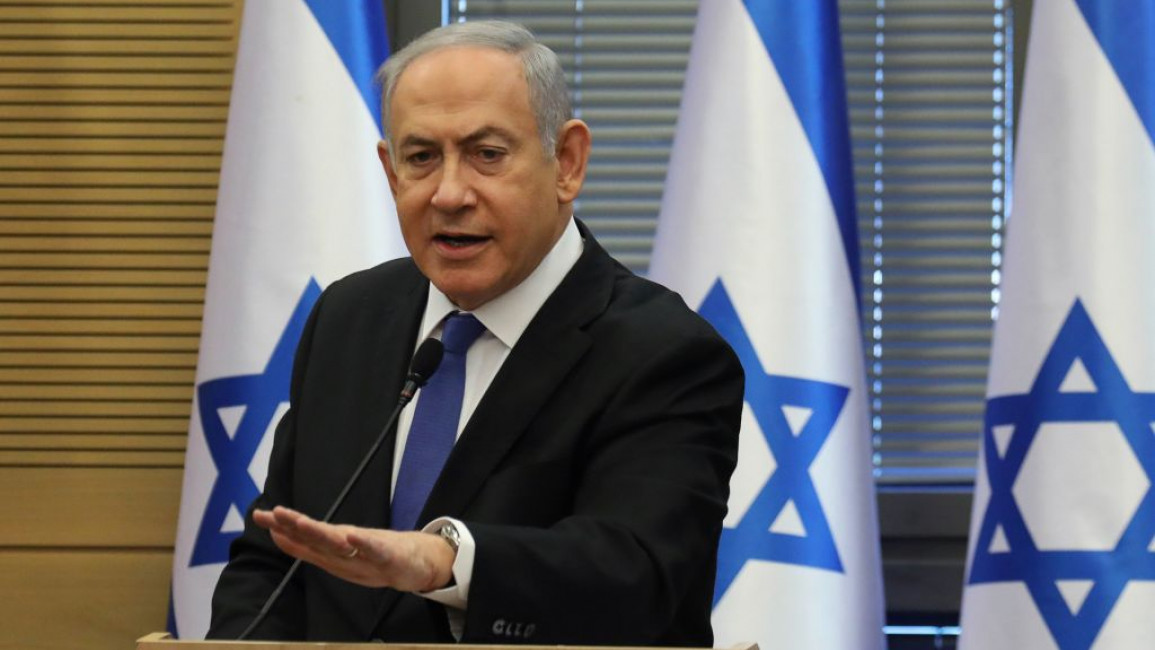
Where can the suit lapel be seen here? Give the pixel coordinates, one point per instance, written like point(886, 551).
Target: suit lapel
point(552, 344)
point(550, 347)
point(399, 326)
point(396, 315)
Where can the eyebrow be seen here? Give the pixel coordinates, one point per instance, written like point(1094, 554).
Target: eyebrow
point(486, 132)
point(477, 136)
point(415, 141)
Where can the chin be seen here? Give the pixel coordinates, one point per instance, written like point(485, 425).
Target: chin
point(465, 296)
point(470, 288)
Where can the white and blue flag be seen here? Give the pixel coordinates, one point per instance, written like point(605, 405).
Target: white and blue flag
point(303, 201)
point(1062, 539)
point(757, 231)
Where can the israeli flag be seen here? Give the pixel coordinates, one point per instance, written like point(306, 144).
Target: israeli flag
point(1062, 539)
point(757, 231)
point(303, 201)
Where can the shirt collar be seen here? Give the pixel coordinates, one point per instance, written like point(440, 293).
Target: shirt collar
point(508, 315)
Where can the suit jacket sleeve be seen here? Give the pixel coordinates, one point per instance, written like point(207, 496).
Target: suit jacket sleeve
point(634, 560)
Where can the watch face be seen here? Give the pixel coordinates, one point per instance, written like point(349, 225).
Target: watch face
point(450, 535)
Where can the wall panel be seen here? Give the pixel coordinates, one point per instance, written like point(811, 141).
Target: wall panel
point(80, 598)
point(112, 116)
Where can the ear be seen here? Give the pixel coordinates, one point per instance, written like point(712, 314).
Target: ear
point(387, 163)
point(573, 155)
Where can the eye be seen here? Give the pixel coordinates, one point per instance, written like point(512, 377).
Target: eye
point(420, 157)
point(490, 154)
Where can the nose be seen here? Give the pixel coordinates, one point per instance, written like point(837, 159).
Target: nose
point(454, 191)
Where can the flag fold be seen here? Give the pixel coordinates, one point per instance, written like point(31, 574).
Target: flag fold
point(1062, 540)
point(757, 232)
point(303, 201)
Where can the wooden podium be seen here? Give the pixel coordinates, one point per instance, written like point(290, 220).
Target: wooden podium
point(163, 641)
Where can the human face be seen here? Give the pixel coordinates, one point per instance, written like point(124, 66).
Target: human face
point(479, 201)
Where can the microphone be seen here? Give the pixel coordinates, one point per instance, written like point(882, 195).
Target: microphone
point(421, 368)
point(424, 364)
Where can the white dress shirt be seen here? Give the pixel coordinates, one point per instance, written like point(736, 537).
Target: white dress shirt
point(505, 319)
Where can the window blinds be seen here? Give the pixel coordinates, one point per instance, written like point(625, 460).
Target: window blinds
point(928, 86)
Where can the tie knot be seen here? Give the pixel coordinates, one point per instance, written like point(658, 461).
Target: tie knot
point(460, 331)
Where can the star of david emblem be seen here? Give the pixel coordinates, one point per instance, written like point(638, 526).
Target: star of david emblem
point(790, 487)
point(260, 395)
point(1073, 589)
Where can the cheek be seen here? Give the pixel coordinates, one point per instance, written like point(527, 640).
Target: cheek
point(412, 201)
point(409, 218)
point(408, 193)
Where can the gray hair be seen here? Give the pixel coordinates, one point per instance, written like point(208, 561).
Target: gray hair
point(548, 95)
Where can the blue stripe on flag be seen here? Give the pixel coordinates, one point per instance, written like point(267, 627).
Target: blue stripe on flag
point(804, 44)
point(356, 28)
point(1125, 30)
point(170, 624)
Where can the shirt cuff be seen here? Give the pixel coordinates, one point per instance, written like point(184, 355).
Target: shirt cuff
point(455, 595)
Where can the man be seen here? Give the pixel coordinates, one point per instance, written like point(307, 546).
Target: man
point(598, 427)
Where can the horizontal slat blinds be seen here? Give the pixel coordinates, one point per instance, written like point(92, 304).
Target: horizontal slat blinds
point(927, 82)
point(625, 61)
point(927, 85)
point(111, 120)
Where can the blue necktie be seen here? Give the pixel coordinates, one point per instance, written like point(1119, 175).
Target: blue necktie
point(434, 427)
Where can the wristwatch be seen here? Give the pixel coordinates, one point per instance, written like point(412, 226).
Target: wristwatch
point(449, 533)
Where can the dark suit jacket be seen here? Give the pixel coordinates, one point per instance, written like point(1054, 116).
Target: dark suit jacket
point(593, 474)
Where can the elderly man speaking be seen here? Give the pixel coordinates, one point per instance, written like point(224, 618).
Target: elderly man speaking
point(563, 477)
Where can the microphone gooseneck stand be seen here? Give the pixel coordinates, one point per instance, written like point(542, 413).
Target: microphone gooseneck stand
point(424, 364)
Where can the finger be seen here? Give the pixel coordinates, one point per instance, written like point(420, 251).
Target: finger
point(324, 537)
point(280, 520)
point(293, 548)
point(307, 553)
point(373, 548)
point(300, 536)
point(268, 520)
point(301, 527)
point(264, 518)
point(287, 518)
point(354, 569)
point(350, 552)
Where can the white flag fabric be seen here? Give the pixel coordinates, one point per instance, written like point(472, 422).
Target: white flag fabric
point(757, 232)
point(1062, 540)
point(303, 201)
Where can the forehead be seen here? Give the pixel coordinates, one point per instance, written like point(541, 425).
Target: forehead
point(459, 83)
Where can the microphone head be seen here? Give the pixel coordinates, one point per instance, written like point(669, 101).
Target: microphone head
point(425, 361)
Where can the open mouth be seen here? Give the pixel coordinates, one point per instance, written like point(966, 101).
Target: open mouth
point(460, 241)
